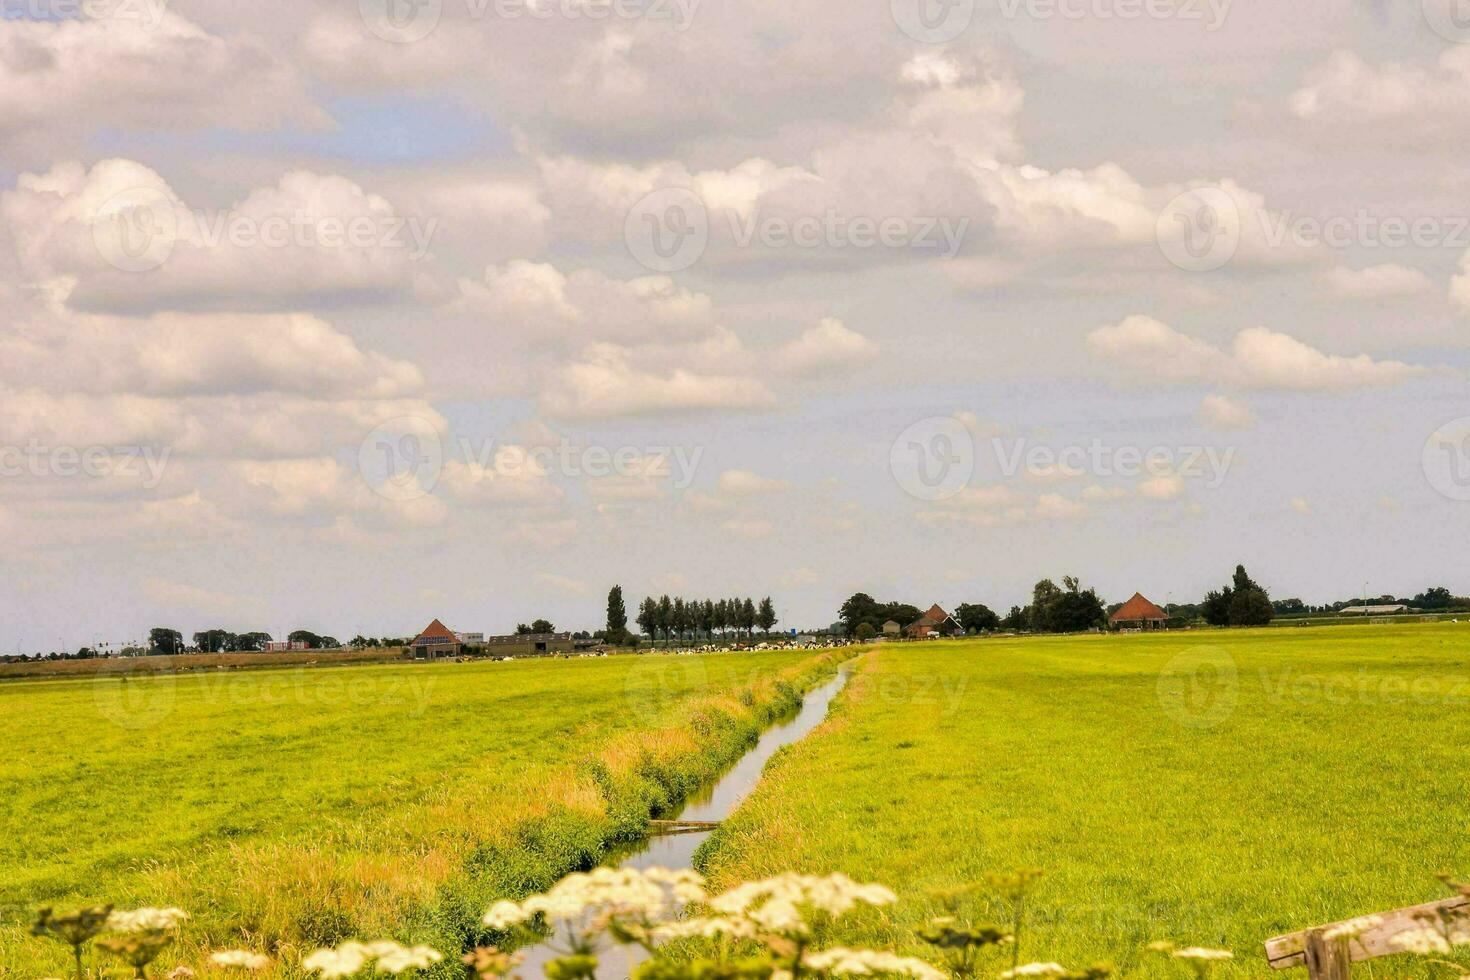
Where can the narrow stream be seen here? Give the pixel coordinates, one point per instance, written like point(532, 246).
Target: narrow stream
point(717, 802)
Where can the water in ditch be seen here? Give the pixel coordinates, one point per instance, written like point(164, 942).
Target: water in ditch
point(717, 802)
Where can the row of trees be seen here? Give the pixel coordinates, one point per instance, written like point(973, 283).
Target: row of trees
point(1434, 599)
point(1065, 609)
point(678, 618)
point(166, 642)
point(863, 610)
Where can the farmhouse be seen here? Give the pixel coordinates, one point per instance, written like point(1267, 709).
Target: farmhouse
point(935, 622)
point(437, 640)
point(529, 644)
point(1386, 609)
point(892, 628)
point(1140, 614)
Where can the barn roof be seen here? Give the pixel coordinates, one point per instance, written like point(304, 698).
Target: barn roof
point(1137, 609)
point(436, 631)
point(933, 617)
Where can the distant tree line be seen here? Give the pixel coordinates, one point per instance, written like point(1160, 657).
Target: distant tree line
point(1434, 599)
point(680, 619)
point(1065, 609)
point(166, 642)
point(864, 617)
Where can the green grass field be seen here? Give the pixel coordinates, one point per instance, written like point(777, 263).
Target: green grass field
point(303, 806)
point(1212, 788)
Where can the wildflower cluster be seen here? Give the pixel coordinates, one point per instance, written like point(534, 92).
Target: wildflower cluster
point(762, 930)
point(1439, 931)
point(772, 929)
point(139, 936)
point(241, 959)
point(1199, 959)
point(384, 955)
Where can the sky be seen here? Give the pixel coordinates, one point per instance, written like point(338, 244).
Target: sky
point(347, 315)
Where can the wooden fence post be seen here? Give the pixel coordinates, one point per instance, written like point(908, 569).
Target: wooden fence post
point(1327, 959)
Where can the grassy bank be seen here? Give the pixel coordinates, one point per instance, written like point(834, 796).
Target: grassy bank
point(116, 666)
point(286, 809)
point(1214, 789)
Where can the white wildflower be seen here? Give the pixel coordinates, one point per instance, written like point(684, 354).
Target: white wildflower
point(615, 891)
point(393, 958)
point(344, 961)
point(1035, 970)
point(146, 920)
point(503, 915)
point(704, 928)
point(1202, 953)
point(242, 958)
point(775, 903)
point(866, 962)
point(1423, 941)
point(1352, 928)
point(352, 957)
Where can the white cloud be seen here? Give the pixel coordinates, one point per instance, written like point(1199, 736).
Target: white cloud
point(1422, 106)
point(1097, 494)
point(1258, 358)
point(538, 303)
point(1387, 281)
point(1055, 507)
point(1165, 486)
point(744, 483)
point(512, 478)
point(311, 239)
point(1460, 284)
point(562, 584)
point(828, 347)
point(153, 72)
point(751, 528)
point(605, 383)
point(1220, 412)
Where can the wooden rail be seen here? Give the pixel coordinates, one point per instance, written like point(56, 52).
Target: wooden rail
point(659, 828)
point(1329, 959)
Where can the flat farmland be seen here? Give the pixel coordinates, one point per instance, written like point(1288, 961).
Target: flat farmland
point(298, 806)
point(1211, 788)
